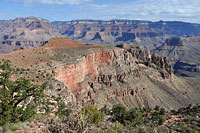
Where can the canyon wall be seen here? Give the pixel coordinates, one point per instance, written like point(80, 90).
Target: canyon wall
point(132, 77)
point(144, 33)
point(73, 75)
point(87, 74)
point(183, 52)
point(25, 33)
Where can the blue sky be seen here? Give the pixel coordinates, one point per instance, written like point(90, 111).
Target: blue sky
point(154, 10)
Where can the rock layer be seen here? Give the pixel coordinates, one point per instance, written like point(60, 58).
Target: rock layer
point(130, 76)
point(144, 57)
point(102, 75)
point(22, 31)
point(183, 52)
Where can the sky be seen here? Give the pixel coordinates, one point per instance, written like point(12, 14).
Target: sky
point(66, 10)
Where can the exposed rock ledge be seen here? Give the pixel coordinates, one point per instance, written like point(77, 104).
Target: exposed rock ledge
point(117, 76)
point(107, 75)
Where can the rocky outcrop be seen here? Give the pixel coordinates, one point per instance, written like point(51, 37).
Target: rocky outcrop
point(163, 65)
point(127, 75)
point(85, 66)
point(144, 57)
point(88, 74)
point(107, 79)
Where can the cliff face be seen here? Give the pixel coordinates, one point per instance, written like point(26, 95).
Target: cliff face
point(27, 32)
point(107, 31)
point(89, 74)
point(162, 64)
point(73, 75)
point(130, 76)
point(33, 32)
point(118, 27)
point(143, 33)
point(183, 52)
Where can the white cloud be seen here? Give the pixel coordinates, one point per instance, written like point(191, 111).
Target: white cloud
point(181, 10)
point(154, 10)
point(59, 2)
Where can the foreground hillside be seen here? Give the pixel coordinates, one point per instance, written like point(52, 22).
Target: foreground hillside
point(91, 88)
point(104, 75)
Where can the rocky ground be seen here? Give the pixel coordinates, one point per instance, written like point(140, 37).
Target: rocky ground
point(100, 75)
point(107, 75)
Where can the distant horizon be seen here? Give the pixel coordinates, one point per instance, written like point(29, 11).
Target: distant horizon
point(68, 10)
point(96, 20)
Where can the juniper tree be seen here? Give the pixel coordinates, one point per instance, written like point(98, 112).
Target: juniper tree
point(18, 98)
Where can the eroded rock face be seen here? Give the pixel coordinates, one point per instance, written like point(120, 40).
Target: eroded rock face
point(72, 75)
point(104, 68)
point(88, 74)
point(144, 57)
point(146, 33)
point(182, 52)
point(130, 76)
point(29, 32)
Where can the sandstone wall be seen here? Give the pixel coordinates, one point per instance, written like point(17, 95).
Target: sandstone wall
point(74, 74)
point(130, 76)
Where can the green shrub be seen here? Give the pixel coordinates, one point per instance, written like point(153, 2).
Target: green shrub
point(180, 111)
point(189, 119)
point(158, 120)
point(196, 109)
point(135, 116)
point(161, 120)
point(63, 111)
point(91, 115)
point(174, 112)
point(162, 111)
point(120, 113)
point(157, 108)
point(105, 110)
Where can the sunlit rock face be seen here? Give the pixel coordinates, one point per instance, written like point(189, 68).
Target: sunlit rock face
point(127, 75)
point(31, 32)
point(92, 74)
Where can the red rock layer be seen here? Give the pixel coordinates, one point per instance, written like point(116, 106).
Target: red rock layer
point(73, 75)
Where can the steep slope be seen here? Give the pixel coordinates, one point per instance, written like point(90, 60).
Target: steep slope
point(146, 33)
point(184, 53)
point(107, 75)
point(110, 32)
point(24, 33)
point(33, 32)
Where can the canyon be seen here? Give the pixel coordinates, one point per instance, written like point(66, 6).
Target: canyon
point(179, 41)
point(128, 73)
point(33, 32)
point(183, 52)
point(106, 75)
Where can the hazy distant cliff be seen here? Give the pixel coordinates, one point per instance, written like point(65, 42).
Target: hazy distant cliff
point(33, 32)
